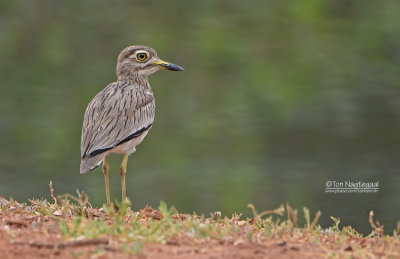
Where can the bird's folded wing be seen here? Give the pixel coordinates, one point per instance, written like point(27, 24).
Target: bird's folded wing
point(113, 115)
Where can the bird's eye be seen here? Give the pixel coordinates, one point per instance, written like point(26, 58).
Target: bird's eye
point(141, 56)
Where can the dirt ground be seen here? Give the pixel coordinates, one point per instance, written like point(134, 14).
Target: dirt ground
point(30, 244)
point(24, 235)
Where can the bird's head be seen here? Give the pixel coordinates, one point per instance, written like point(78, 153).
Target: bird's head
point(141, 61)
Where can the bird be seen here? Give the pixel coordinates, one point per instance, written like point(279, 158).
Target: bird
point(119, 117)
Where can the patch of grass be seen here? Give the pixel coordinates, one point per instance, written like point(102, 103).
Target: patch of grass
point(129, 231)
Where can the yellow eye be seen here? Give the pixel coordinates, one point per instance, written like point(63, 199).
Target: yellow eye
point(141, 56)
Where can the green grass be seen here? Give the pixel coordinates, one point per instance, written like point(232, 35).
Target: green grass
point(78, 220)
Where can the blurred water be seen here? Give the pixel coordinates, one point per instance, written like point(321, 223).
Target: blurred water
point(276, 99)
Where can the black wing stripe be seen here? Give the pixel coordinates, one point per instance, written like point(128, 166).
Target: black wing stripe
point(134, 135)
point(130, 137)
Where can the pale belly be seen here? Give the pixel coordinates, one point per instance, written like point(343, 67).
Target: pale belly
point(129, 146)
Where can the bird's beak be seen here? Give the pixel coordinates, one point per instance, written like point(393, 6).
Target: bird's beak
point(165, 65)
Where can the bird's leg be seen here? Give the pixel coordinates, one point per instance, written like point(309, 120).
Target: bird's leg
point(105, 171)
point(123, 172)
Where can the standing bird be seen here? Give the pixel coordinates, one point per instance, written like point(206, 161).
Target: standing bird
point(120, 116)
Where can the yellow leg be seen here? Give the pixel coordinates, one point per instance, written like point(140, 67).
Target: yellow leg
point(122, 173)
point(105, 171)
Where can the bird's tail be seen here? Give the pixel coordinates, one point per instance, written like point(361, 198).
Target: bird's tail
point(91, 163)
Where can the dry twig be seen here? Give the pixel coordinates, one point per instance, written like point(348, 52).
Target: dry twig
point(16, 222)
point(62, 245)
point(377, 227)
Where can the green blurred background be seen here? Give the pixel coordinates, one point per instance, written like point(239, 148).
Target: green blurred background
point(277, 98)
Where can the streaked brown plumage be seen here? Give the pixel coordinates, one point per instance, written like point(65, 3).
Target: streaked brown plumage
point(119, 117)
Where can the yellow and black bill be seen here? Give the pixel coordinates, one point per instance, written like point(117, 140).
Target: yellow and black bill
point(166, 65)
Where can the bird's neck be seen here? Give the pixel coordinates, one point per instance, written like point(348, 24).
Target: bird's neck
point(135, 79)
